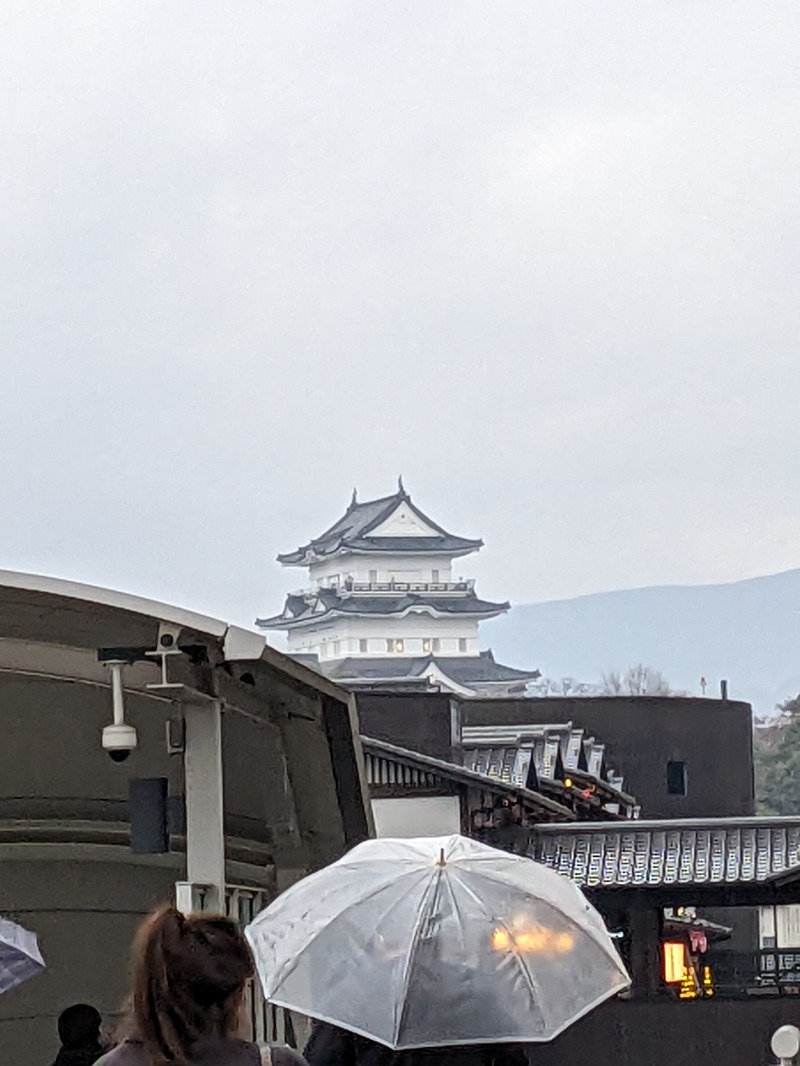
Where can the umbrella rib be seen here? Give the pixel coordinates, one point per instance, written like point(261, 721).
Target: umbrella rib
point(412, 876)
point(412, 955)
point(295, 961)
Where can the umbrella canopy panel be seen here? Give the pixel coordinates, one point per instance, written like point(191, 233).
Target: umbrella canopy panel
point(20, 958)
point(437, 942)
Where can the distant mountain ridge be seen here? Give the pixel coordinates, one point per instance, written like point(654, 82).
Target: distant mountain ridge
point(747, 632)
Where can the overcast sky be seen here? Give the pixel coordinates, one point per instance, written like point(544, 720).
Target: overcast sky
point(540, 257)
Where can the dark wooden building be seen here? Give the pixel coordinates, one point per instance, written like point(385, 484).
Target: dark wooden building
point(683, 885)
point(680, 757)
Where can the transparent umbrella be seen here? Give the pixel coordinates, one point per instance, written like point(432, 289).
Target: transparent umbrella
point(20, 957)
point(434, 942)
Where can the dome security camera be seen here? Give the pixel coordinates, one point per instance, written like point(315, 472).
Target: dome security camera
point(119, 740)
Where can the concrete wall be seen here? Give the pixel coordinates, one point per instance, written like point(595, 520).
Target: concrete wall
point(84, 903)
point(52, 765)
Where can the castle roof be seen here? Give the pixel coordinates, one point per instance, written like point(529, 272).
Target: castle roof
point(389, 525)
point(466, 670)
point(301, 608)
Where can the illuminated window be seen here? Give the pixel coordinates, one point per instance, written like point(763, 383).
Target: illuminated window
point(427, 645)
point(674, 953)
point(394, 645)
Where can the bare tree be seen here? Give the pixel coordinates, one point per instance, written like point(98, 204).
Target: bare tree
point(611, 683)
point(638, 680)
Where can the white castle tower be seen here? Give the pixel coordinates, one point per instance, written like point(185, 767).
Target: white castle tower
point(382, 609)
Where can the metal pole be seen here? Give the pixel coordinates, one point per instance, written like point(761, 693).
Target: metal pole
point(117, 696)
point(205, 829)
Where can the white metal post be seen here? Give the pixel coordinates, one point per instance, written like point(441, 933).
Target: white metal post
point(205, 830)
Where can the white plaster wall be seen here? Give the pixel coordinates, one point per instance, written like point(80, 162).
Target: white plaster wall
point(787, 921)
point(428, 816)
point(342, 637)
point(309, 638)
point(403, 522)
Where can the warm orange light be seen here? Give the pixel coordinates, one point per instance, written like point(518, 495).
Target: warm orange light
point(564, 942)
point(567, 782)
point(532, 942)
point(500, 940)
point(674, 961)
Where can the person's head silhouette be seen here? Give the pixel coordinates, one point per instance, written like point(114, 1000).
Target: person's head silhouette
point(79, 1033)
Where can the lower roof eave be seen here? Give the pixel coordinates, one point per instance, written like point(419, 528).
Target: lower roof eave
point(471, 777)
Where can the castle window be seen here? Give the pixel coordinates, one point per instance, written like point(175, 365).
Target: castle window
point(435, 577)
point(373, 577)
point(363, 645)
point(462, 644)
point(394, 645)
point(676, 778)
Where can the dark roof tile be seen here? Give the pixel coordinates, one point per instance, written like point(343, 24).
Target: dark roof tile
point(352, 530)
point(332, 602)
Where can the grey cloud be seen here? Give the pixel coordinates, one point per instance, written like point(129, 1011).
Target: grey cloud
point(541, 258)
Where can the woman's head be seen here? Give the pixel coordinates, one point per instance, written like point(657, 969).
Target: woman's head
point(189, 975)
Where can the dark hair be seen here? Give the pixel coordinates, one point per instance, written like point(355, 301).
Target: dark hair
point(188, 977)
point(79, 1026)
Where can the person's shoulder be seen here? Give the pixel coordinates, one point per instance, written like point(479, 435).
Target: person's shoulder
point(128, 1053)
point(286, 1056)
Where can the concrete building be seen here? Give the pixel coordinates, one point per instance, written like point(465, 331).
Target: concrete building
point(244, 774)
point(383, 608)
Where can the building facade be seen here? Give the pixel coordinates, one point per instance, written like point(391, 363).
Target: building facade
point(383, 606)
point(242, 773)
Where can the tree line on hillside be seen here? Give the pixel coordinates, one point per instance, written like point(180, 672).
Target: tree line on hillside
point(776, 753)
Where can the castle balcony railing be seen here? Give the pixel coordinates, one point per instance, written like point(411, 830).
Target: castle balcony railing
point(393, 588)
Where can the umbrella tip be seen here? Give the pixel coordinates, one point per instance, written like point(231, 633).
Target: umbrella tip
point(442, 861)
